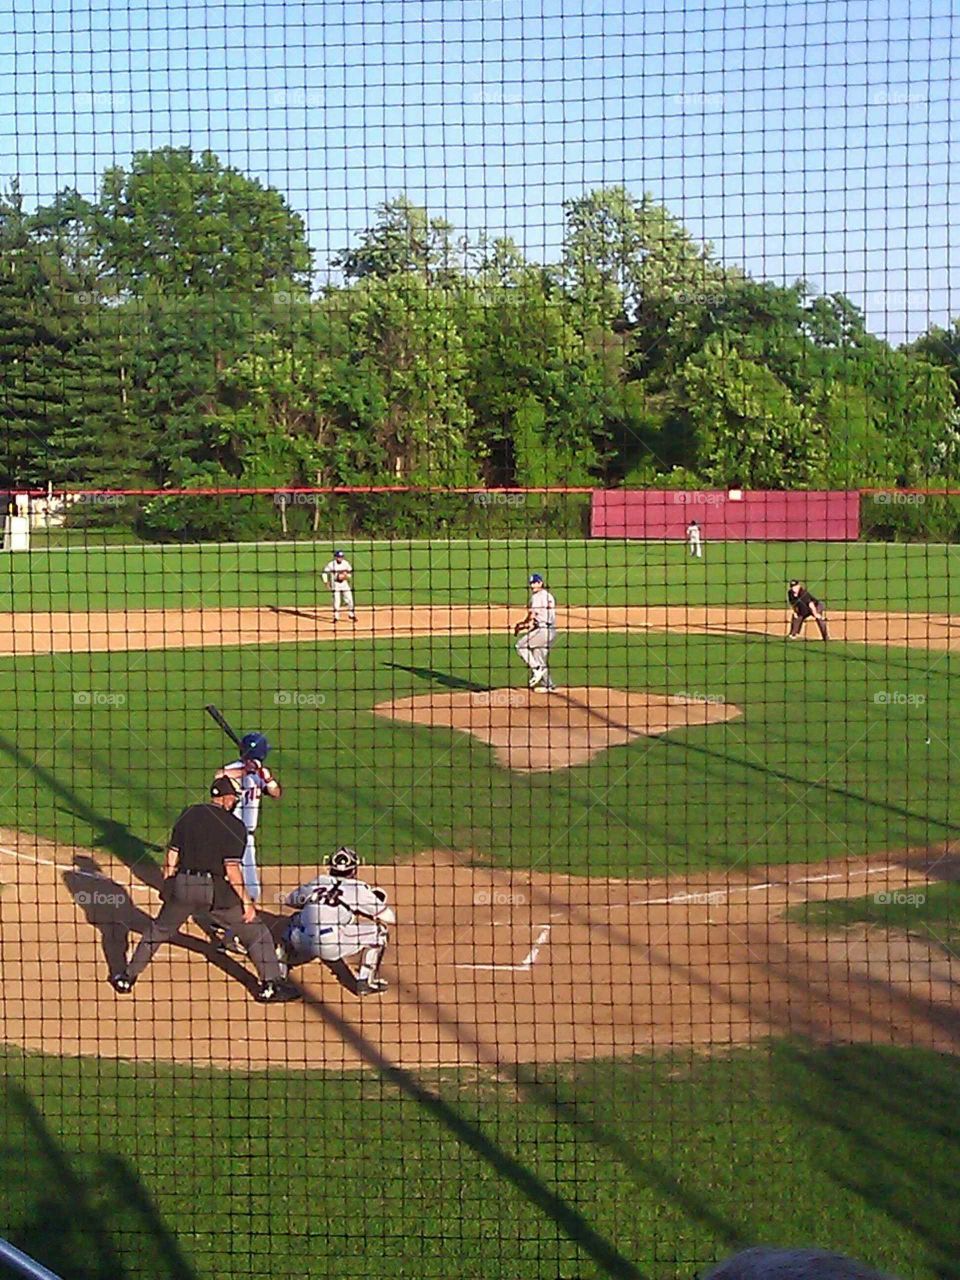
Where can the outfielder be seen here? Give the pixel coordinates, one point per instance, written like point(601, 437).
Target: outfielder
point(537, 632)
point(694, 539)
point(255, 780)
point(336, 575)
point(339, 916)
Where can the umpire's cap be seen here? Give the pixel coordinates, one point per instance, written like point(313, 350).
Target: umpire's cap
point(225, 786)
point(344, 862)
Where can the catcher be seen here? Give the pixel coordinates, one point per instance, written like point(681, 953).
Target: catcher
point(336, 575)
point(339, 916)
point(804, 606)
point(537, 633)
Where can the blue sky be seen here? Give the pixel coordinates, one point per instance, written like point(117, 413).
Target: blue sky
point(803, 139)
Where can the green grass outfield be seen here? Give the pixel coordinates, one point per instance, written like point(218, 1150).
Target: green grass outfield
point(829, 758)
point(847, 575)
point(646, 1168)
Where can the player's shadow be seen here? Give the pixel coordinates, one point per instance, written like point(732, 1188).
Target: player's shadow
point(441, 677)
point(108, 907)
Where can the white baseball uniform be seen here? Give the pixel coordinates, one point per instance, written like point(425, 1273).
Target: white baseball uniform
point(338, 917)
point(534, 646)
point(693, 539)
point(248, 811)
point(342, 593)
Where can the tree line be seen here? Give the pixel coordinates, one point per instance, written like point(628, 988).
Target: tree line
point(167, 334)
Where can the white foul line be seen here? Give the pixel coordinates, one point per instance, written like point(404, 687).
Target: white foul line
point(525, 965)
point(718, 895)
point(67, 866)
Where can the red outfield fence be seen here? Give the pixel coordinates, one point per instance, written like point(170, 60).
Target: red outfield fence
point(727, 515)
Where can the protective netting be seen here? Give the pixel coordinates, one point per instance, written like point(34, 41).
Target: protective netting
point(480, 488)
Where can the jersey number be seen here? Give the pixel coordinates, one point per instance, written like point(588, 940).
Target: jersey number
point(329, 897)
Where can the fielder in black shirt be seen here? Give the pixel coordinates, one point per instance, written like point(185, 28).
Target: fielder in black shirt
point(804, 606)
point(202, 877)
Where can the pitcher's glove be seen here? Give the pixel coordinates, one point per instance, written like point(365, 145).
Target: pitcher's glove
point(522, 628)
point(343, 577)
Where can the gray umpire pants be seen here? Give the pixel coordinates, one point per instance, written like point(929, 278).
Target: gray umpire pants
point(192, 895)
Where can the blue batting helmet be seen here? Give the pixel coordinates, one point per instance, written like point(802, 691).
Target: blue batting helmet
point(254, 746)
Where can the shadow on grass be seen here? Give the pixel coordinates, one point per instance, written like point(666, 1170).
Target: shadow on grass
point(441, 677)
point(610, 1262)
point(886, 1128)
point(72, 1212)
point(114, 837)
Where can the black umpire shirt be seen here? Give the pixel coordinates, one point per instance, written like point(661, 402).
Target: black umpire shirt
point(205, 837)
point(802, 602)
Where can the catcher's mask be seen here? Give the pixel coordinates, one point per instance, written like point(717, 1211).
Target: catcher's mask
point(344, 862)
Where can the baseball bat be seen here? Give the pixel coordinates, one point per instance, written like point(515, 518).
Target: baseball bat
point(214, 712)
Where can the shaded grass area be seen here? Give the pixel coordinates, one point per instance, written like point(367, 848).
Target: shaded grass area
point(109, 747)
point(647, 1168)
point(585, 571)
point(929, 911)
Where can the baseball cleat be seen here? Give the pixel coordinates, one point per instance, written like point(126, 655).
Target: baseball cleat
point(371, 986)
point(276, 993)
point(537, 676)
point(353, 617)
point(231, 944)
point(120, 983)
point(283, 959)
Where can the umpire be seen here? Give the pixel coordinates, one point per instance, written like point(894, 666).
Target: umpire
point(202, 876)
point(804, 606)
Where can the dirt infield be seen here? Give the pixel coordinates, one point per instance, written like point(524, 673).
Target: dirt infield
point(79, 632)
point(488, 968)
point(533, 731)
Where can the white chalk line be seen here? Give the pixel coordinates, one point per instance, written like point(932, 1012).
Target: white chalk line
point(712, 897)
point(68, 866)
point(525, 965)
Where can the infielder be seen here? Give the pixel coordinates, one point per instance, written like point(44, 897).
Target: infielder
point(694, 539)
point(804, 606)
point(339, 916)
point(336, 575)
point(255, 780)
point(537, 632)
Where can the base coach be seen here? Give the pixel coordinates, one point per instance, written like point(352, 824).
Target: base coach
point(203, 877)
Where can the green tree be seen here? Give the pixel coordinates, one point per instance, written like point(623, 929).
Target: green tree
point(403, 239)
point(749, 432)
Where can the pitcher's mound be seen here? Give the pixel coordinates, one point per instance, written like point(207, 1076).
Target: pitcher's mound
point(534, 731)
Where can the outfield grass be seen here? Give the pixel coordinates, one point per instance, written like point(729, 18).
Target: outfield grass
point(107, 748)
point(846, 575)
point(647, 1168)
point(931, 911)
